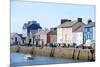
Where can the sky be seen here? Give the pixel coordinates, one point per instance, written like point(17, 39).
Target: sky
point(47, 14)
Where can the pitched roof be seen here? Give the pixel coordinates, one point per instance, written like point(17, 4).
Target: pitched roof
point(92, 24)
point(79, 29)
point(34, 26)
point(66, 24)
point(42, 32)
point(31, 24)
point(20, 35)
point(13, 34)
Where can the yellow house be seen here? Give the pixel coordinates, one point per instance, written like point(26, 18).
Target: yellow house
point(65, 30)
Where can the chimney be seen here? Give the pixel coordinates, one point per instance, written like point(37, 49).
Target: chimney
point(65, 20)
point(51, 29)
point(79, 20)
point(89, 21)
point(34, 21)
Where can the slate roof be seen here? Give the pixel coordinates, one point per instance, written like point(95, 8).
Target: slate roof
point(92, 24)
point(20, 35)
point(66, 24)
point(31, 25)
point(12, 34)
point(42, 32)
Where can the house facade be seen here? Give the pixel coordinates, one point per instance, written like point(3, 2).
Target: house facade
point(77, 38)
point(16, 39)
point(64, 35)
point(77, 33)
point(67, 31)
point(29, 29)
point(52, 36)
point(41, 37)
point(89, 33)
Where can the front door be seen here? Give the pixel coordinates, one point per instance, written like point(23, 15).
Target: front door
point(16, 42)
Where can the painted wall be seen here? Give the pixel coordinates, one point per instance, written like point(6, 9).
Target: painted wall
point(88, 34)
point(94, 33)
point(19, 39)
point(41, 39)
point(64, 35)
point(77, 37)
point(44, 38)
point(52, 36)
point(24, 33)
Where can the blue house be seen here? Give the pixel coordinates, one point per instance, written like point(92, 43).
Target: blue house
point(31, 25)
point(89, 32)
point(29, 29)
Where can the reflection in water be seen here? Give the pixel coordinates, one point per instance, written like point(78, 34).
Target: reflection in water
point(17, 59)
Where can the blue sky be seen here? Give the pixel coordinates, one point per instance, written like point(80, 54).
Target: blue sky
point(47, 14)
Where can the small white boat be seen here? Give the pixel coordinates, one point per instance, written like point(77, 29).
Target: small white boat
point(28, 57)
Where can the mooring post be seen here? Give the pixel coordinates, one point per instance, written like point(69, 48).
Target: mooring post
point(32, 51)
point(52, 51)
point(88, 56)
point(73, 54)
point(92, 52)
point(78, 55)
point(18, 48)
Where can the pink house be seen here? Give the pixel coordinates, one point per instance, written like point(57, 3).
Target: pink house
point(41, 37)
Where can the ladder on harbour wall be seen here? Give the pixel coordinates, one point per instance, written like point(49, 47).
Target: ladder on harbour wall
point(76, 55)
point(32, 51)
point(18, 48)
point(52, 52)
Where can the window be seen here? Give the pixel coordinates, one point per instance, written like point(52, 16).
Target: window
point(88, 29)
point(85, 29)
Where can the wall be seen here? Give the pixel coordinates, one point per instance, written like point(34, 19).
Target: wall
point(53, 38)
point(67, 53)
point(19, 39)
point(77, 37)
point(88, 34)
point(24, 32)
point(94, 33)
point(64, 35)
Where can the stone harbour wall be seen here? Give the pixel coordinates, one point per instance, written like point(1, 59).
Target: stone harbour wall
point(69, 53)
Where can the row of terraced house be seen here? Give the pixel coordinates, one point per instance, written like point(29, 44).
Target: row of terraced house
point(67, 32)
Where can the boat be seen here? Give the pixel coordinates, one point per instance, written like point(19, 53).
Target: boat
point(28, 57)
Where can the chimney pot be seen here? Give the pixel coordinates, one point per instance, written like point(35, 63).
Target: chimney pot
point(79, 19)
point(89, 21)
point(65, 20)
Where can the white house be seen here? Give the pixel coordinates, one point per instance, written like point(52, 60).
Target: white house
point(77, 37)
point(69, 32)
point(15, 39)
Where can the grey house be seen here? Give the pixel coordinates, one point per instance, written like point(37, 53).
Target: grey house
point(16, 39)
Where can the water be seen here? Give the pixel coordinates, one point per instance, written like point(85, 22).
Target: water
point(17, 59)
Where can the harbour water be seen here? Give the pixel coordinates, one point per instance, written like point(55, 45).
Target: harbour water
point(17, 59)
